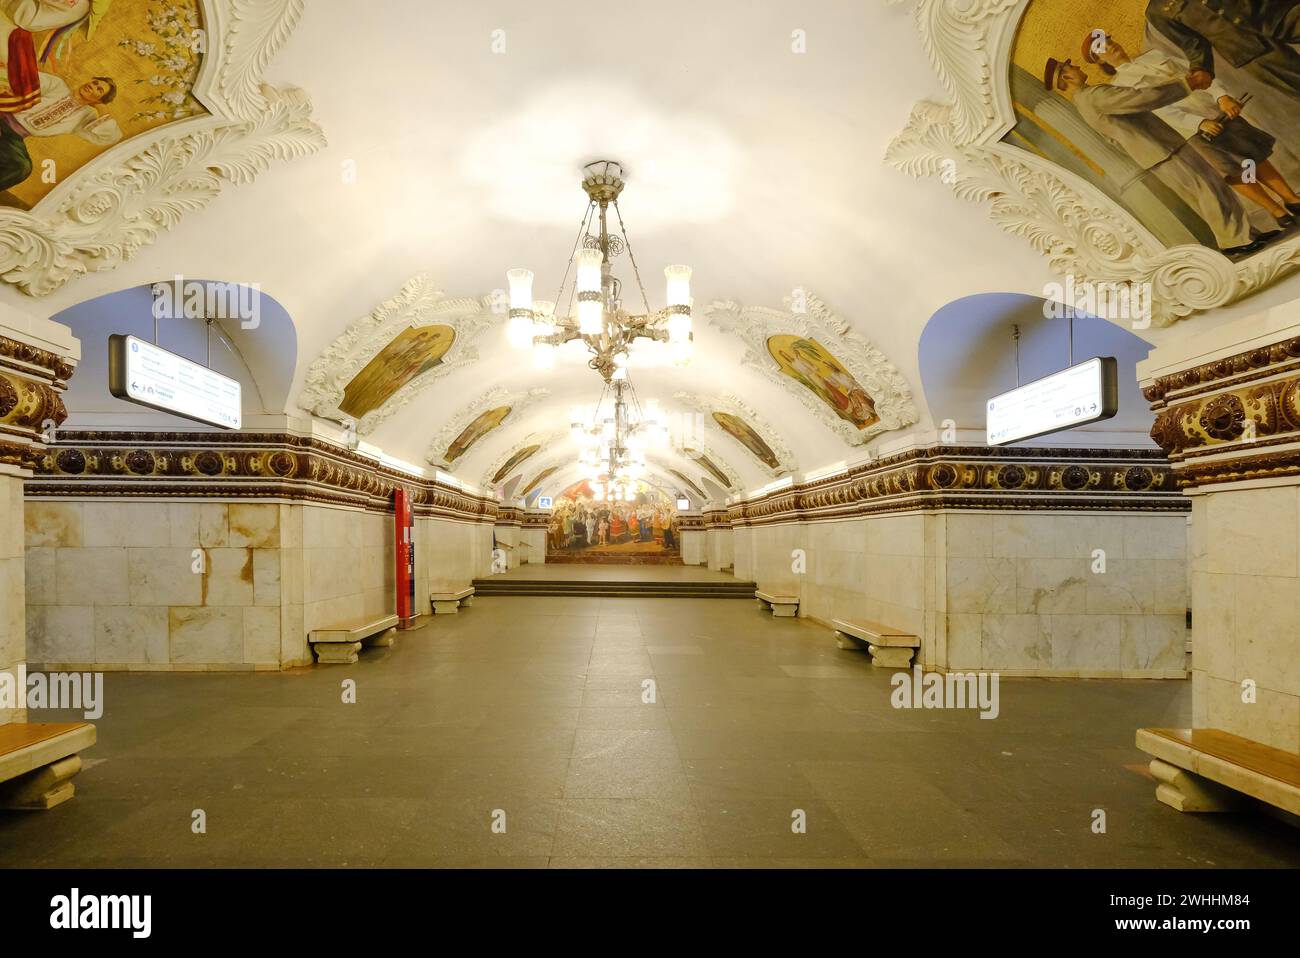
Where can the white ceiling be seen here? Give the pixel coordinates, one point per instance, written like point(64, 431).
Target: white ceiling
point(760, 167)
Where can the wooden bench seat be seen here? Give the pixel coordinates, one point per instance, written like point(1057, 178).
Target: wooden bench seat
point(781, 605)
point(449, 603)
point(890, 648)
point(38, 760)
point(1209, 770)
point(339, 644)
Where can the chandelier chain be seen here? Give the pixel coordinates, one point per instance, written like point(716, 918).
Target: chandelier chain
point(582, 231)
point(627, 243)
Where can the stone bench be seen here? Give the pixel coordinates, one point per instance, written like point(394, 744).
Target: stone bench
point(339, 644)
point(781, 605)
point(38, 760)
point(449, 603)
point(1209, 770)
point(890, 648)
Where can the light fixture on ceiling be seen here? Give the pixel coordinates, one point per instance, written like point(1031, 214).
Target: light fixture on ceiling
point(599, 319)
point(612, 440)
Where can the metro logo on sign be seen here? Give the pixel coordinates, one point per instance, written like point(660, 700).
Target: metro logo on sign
point(545, 502)
point(140, 372)
point(1081, 394)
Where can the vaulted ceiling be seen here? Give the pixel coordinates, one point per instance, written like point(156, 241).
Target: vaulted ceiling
point(456, 132)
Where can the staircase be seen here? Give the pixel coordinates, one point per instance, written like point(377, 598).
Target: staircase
point(498, 585)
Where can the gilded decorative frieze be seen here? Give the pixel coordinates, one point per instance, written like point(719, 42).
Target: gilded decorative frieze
point(26, 358)
point(1233, 419)
point(243, 465)
point(977, 478)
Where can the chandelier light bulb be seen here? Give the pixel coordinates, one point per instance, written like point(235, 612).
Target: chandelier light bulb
point(679, 285)
point(590, 308)
point(521, 288)
point(519, 329)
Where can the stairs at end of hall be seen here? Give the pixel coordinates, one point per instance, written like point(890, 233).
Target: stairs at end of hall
point(646, 589)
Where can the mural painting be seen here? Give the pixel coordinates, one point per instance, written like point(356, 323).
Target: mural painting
point(647, 527)
point(483, 424)
point(514, 461)
point(538, 480)
point(744, 433)
point(810, 363)
point(80, 76)
point(412, 353)
point(1187, 116)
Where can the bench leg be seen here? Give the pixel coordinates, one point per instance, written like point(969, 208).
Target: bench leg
point(1188, 792)
point(763, 604)
point(889, 657)
point(848, 642)
point(336, 653)
point(43, 788)
point(466, 602)
point(785, 611)
point(384, 640)
point(446, 607)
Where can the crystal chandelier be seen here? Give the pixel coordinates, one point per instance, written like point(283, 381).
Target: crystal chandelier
point(613, 441)
point(599, 318)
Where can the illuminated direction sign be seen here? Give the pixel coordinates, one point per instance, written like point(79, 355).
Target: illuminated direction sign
point(1080, 394)
point(544, 502)
point(140, 372)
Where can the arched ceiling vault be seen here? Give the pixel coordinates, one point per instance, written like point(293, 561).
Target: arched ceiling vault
point(757, 161)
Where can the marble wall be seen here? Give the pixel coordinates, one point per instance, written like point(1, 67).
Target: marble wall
point(718, 548)
point(693, 552)
point(1246, 628)
point(448, 555)
point(157, 585)
point(532, 545)
point(13, 651)
point(1012, 592)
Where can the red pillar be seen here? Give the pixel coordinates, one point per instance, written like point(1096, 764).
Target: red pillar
point(404, 537)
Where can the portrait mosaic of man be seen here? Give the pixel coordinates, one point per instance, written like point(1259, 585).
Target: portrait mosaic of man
point(1185, 113)
point(80, 76)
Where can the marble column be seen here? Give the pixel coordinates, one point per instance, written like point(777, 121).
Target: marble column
point(37, 358)
point(1227, 407)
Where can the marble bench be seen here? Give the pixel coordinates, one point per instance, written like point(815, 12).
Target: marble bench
point(38, 760)
point(339, 644)
point(1209, 770)
point(449, 603)
point(890, 648)
point(781, 605)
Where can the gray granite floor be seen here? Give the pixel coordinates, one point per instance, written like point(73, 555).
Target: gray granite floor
point(530, 710)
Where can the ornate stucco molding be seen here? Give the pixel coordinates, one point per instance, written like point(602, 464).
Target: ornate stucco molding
point(1233, 419)
point(418, 303)
point(975, 477)
point(733, 404)
point(494, 397)
point(120, 202)
point(867, 364)
point(1079, 229)
point(237, 465)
